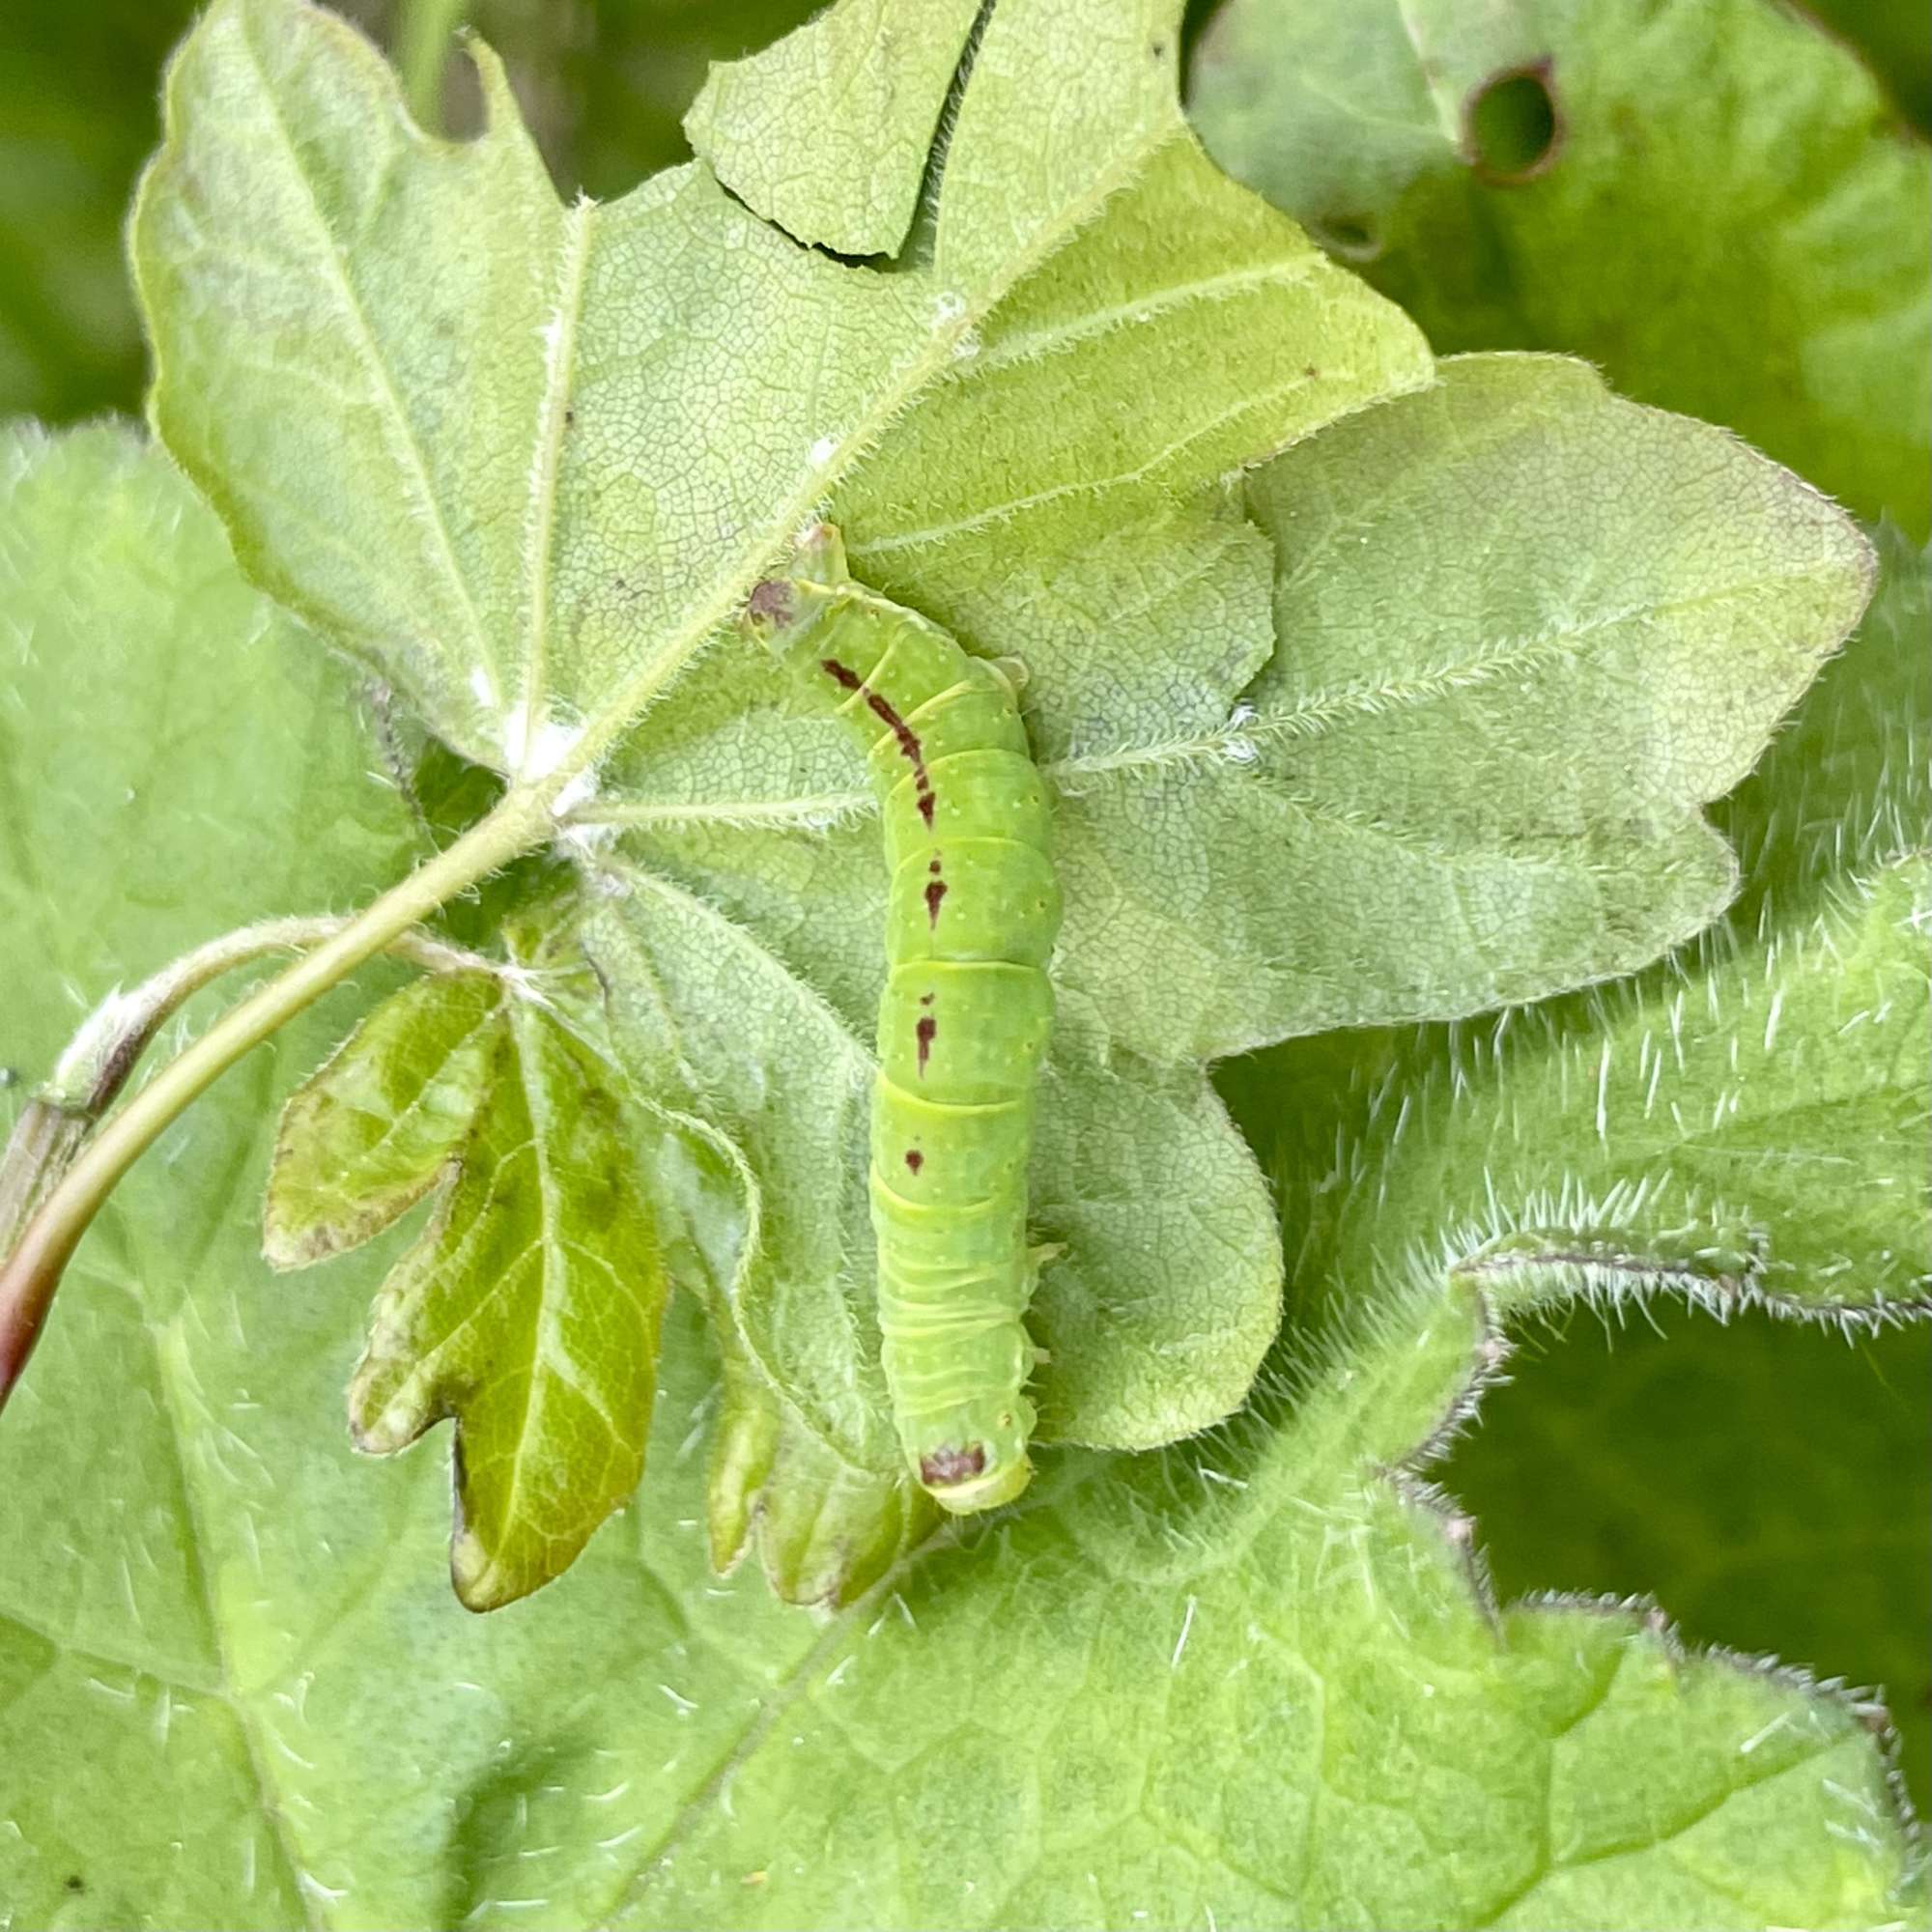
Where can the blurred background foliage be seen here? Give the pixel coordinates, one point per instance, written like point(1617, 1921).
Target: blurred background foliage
point(1689, 1464)
point(604, 83)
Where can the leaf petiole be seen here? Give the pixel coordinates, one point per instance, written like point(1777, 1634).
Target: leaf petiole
point(55, 1180)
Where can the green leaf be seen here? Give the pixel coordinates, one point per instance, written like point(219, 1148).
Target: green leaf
point(1727, 140)
point(1747, 1121)
point(1671, 1465)
point(826, 133)
point(1674, 1453)
point(587, 480)
point(1273, 1701)
point(1755, 1130)
point(1475, 766)
point(1847, 784)
point(1150, 1690)
point(530, 1305)
point(1496, 801)
point(124, 845)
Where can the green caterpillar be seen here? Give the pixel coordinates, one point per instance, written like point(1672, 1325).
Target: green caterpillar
point(973, 914)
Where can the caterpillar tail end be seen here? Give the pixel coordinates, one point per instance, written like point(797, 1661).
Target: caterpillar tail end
point(779, 606)
point(962, 1482)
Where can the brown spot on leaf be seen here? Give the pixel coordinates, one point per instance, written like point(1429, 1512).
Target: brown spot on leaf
point(770, 601)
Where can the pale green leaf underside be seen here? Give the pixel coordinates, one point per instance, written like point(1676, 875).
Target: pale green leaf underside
point(545, 452)
point(826, 133)
point(1728, 139)
point(530, 1307)
point(1749, 1122)
point(1471, 774)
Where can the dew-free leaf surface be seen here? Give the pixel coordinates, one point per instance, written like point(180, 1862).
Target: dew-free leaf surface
point(1710, 198)
point(547, 450)
point(1255, 1679)
point(1746, 1124)
point(1769, 1484)
point(531, 1306)
point(1472, 773)
point(827, 132)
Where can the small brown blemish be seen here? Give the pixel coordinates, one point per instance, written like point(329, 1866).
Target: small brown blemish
point(1312, 374)
point(915, 1160)
point(924, 1032)
point(771, 600)
point(934, 893)
point(952, 1465)
point(925, 999)
point(569, 417)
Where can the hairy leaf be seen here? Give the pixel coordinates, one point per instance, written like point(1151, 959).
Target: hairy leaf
point(1755, 1108)
point(1262, 1682)
point(1773, 1485)
point(1745, 1126)
point(1674, 1455)
point(1257, 1678)
point(1710, 198)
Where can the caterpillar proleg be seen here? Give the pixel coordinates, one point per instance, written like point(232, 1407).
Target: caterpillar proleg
point(972, 917)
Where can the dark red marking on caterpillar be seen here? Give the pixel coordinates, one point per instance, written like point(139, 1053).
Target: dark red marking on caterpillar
point(925, 999)
point(907, 738)
point(923, 1033)
point(952, 1465)
point(914, 1159)
point(934, 893)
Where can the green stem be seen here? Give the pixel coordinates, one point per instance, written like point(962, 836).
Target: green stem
point(32, 1271)
point(422, 45)
point(108, 1044)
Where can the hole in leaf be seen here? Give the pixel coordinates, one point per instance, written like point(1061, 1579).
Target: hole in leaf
point(1346, 235)
point(1512, 126)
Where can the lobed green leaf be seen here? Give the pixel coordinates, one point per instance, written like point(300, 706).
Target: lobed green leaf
point(1255, 1676)
point(531, 1306)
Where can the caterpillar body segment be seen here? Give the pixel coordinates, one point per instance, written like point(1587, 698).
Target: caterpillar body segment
point(973, 912)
